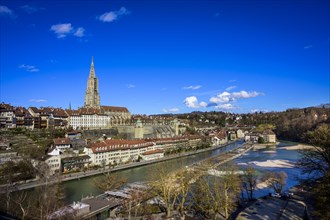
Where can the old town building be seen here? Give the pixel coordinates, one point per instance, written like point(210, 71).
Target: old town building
point(117, 151)
point(6, 116)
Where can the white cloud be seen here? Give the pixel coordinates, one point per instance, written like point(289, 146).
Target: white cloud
point(232, 80)
point(308, 47)
point(37, 100)
point(171, 110)
point(191, 102)
point(79, 32)
point(226, 106)
point(245, 95)
point(31, 9)
point(130, 86)
point(203, 104)
point(192, 87)
point(29, 68)
point(108, 17)
point(113, 15)
point(231, 88)
point(62, 30)
point(222, 97)
point(5, 11)
point(227, 97)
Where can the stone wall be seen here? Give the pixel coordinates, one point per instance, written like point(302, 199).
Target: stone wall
point(96, 133)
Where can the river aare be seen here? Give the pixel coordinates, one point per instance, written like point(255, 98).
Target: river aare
point(279, 158)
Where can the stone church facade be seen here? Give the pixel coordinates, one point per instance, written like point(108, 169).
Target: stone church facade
point(93, 115)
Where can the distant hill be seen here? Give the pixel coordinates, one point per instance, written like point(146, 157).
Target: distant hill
point(324, 105)
point(291, 124)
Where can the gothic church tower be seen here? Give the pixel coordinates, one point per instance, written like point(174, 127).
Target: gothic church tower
point(92, 97)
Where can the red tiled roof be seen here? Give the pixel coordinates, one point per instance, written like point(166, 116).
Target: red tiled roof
point(152, 152)
point(62, 141)
point(6, 107)
point(56, 112)
point(174, 140)
point(111, 145)
point(114, 109)
point(72, 112)
point(73, 132)
point(89, 111)
point(221, 135)
point(34, 109)
point(99, 111)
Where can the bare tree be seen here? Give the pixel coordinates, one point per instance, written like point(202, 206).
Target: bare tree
point(136, 205)
point(22, 200)
point(249, 181)
point(206, 196)
point(231, 189)
point(318, 158)
point(49, 196)
point(184, 178)
point(109, 181)
point(165, 188)
point(276, 180)
point(171, 187)
point(217, 194)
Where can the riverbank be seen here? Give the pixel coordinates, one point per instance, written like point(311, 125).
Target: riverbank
point(79, 175)
point(89, 173)
point(231, 155)
point(297, 147)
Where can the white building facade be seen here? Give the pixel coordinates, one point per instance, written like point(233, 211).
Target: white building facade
point(153, 155)
point(54, 163)
point(111, 152)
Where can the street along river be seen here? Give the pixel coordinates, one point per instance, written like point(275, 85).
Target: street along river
point(74, 190)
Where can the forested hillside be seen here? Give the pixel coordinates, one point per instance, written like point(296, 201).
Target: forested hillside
point(291, 124)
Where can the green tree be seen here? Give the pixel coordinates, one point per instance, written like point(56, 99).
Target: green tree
point(264, 127)
point(261, 140)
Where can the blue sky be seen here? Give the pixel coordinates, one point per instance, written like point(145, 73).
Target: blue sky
point(167, 56)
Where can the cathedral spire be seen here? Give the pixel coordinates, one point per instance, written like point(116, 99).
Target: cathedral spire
point(92, 97)
point(92, 71)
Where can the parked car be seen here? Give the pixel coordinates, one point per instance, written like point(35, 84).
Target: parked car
point(276, 195)
point(287, 194)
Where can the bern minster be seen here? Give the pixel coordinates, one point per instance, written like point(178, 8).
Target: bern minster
point(92, 97)
point(93, 115)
